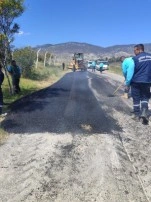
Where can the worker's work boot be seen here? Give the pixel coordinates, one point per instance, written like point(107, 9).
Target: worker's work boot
point(144, 116)
point(125, 95)
point(2, 114)
point(135, 117)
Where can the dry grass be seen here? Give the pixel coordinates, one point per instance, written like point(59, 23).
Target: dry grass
point(116, 68)
point(3, 135)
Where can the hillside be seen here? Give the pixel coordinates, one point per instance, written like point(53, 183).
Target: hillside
point(64, 51)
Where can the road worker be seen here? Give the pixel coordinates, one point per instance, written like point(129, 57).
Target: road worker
point(128, 71)
point(1, 92)
point(140, 85)
point(93, 66)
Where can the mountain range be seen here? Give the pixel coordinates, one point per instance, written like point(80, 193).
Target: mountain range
point(65, 51)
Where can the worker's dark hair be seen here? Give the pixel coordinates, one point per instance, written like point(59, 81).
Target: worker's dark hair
point(139, 47)
point(13, 62)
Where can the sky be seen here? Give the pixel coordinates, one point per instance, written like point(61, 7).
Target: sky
point(98, 22)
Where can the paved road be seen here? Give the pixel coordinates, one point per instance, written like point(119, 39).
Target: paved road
point(65, 106)
point(71, 142)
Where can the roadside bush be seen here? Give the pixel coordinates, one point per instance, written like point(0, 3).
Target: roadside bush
point(43, 73)
point(25, 58)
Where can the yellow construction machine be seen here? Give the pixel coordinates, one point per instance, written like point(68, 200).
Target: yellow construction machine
point(77, 62)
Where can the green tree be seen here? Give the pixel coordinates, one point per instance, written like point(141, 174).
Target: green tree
point(25, 58)
point(9, 10)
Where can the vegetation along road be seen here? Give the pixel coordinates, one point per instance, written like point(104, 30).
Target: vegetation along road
point(71, 142)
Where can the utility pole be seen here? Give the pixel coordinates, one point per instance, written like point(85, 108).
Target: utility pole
point(12, 54)
point(45, 58)
point(55, 58)
point(37, 57)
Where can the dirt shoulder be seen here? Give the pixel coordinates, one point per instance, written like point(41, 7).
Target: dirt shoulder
point(136, 141)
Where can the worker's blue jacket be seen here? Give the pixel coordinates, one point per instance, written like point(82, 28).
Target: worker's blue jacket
point(93, 64)
point(128, 70)
point(142, 71)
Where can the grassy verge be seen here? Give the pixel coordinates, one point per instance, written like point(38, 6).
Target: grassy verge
point(115, 68)
point(40, 78)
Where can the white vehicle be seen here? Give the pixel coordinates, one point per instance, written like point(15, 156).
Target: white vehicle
point(105, 64)
point(89, 64)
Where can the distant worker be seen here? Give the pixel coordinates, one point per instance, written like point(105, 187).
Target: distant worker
point(93, 66)
point(140, 85)
point(15, 72)
point(101, 67)
point(128, 71)
point(63, 65)
point(73, 65)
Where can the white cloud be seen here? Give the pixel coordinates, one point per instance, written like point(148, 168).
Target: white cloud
point(21, 33)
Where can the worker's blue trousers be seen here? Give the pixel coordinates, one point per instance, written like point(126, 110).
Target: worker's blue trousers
point(141, 94)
